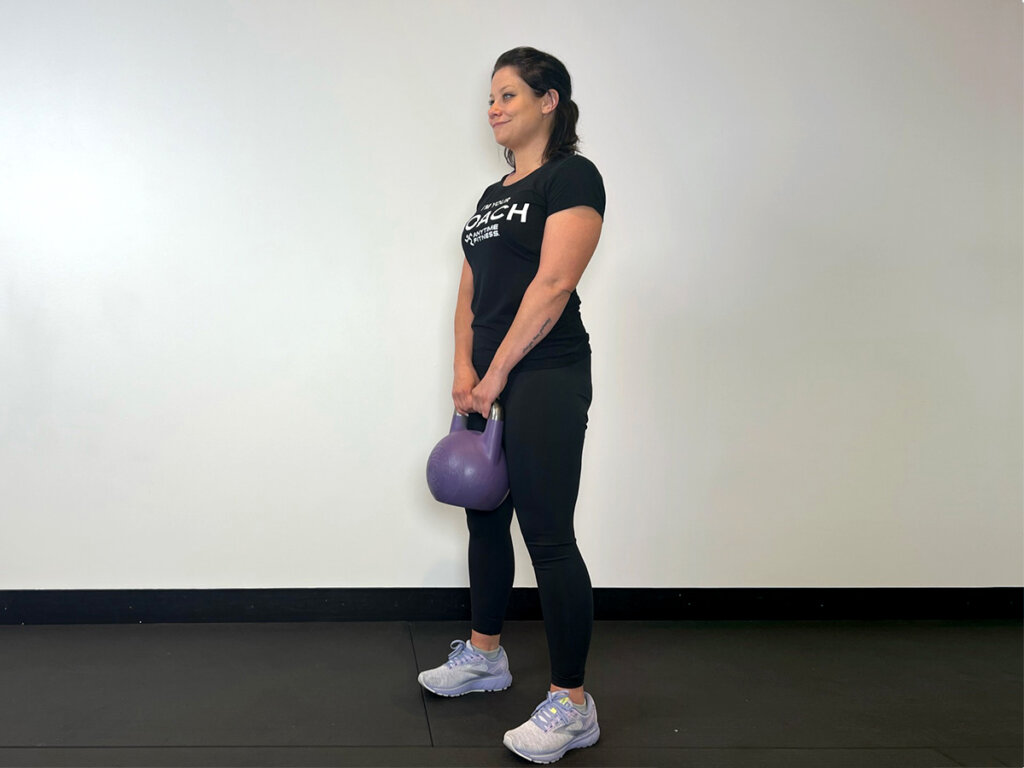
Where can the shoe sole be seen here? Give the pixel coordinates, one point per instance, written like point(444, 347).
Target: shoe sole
point(452, 693)
point(586, 740)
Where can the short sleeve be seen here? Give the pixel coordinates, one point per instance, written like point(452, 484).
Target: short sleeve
point(576, 181)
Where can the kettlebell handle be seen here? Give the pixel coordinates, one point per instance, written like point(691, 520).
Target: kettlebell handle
point(497, 414)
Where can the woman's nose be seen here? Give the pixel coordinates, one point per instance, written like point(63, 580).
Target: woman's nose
point(493, 111)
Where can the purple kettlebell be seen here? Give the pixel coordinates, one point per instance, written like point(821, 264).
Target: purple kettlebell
point(467, 468)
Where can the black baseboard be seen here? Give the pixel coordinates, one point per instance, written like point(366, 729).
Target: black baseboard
point(444, 604)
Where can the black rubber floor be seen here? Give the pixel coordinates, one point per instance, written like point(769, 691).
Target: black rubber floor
point(723, 694)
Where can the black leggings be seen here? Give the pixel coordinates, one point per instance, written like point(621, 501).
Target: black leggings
point(545, 421)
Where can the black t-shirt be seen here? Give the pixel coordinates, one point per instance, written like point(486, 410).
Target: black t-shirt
point(502, 244)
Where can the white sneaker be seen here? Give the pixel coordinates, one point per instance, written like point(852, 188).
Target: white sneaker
point(467, 671)
point(555, 727)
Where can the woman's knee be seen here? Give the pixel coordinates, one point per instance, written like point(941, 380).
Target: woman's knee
point(549, 554)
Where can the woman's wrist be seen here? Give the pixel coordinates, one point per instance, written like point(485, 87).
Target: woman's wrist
point(498, 369)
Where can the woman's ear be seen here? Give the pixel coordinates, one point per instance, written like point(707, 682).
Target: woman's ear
point(549, 102)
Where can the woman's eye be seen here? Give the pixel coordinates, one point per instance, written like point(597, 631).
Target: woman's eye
point(506, 96)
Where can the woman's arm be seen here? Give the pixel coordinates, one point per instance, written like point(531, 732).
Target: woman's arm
point(465, 375)
point(570, 238)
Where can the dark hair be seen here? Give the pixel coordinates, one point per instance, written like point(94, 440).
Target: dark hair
point(543, 72)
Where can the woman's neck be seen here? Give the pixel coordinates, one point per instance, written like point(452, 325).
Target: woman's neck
point(529, 159)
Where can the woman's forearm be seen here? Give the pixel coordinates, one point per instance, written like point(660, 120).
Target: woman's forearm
point(542, 305)
point(464, 320)
point(463, 336)
point(464, 377)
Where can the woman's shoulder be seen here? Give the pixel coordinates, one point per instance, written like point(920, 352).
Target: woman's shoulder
point(574, 180)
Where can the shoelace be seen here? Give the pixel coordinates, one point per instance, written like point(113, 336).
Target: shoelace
point(461, 654)
point(555, 711)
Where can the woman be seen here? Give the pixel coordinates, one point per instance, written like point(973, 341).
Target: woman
point(518, 334)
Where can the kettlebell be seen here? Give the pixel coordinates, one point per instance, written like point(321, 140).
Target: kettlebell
point(467, 468)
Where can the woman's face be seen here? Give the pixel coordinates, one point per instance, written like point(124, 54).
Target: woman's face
point(517, 115)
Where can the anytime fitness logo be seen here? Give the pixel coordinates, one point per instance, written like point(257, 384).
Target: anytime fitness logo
point(480, 227)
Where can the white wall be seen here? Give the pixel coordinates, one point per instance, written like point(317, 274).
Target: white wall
point(229, 246)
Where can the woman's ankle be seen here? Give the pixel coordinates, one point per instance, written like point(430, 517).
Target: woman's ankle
point(484, 642)
point(576, 695)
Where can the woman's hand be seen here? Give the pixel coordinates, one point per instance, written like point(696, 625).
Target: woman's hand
point(487, 391)
point(462, 388)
